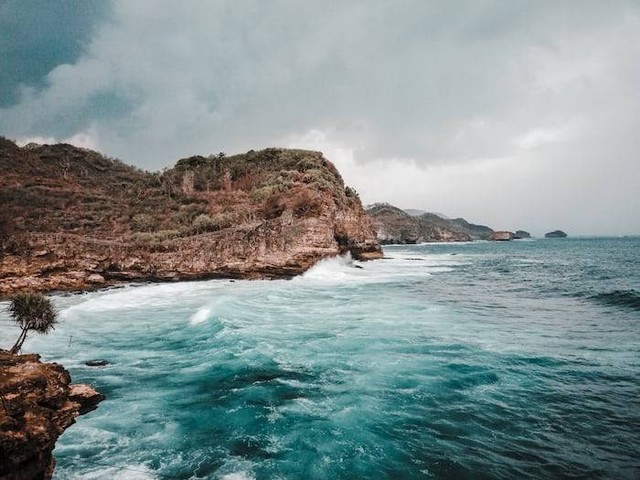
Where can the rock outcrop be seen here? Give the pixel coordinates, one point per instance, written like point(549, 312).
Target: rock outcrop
point(521, 234)
point(73, 219)
point(555, 234)
point(501, 236)
point(394, 225)
point(37, 403)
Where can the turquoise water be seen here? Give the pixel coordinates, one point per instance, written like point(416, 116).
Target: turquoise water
point(484, 360)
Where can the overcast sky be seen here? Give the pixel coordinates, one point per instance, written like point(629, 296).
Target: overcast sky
point(516, 114)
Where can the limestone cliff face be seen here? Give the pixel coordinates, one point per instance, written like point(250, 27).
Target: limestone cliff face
point(73, 219)
point(38, 403)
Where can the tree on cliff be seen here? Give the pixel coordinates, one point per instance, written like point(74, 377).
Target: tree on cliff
point(31, 311)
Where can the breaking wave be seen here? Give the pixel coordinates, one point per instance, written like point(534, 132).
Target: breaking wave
point(619, 298)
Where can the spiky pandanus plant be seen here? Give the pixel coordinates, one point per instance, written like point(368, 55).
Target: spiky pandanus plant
point(31, 311)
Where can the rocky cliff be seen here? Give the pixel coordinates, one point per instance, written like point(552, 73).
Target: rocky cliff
point(394, 225)
point(37, 403)
point(72, 218)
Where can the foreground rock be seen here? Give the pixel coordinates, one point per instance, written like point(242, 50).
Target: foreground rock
point(394, 225)
point(555, 234)
point(72, 219)
point(38, 404)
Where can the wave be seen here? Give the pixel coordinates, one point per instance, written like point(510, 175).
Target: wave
point(332, 269)
point(202, 315)
point(619, 298)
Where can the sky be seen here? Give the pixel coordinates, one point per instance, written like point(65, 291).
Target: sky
point(517, 114)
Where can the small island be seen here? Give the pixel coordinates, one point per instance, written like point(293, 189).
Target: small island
point(520, 234)
point(501, 236)
point(555, 234)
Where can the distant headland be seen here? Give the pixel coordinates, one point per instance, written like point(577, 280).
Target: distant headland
point(396, 226)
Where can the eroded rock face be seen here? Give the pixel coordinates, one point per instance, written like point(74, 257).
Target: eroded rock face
point(37, 403)
point(74, 220)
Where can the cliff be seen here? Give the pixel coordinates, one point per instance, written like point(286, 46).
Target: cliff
point(38, 403)
point(73, 219)
point(394, 225)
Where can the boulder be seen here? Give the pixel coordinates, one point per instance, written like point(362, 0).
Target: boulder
point(97, 363)
point(96, 278)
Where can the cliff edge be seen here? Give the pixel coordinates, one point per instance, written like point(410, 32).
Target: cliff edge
point(73, 219)
point(37, 403)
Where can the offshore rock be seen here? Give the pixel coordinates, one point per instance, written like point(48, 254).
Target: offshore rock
point(555, 234)
point(501, 236)
point(72, 219)
point(97, 363)
point(520, 234)
point(38, 404)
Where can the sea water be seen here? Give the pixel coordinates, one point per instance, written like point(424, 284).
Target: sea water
point(480, 360)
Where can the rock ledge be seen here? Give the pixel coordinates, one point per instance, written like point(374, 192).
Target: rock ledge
point(37, 404)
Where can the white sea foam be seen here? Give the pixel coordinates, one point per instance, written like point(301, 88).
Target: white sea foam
point(201, 316)
point(332, 269)
point(136, 297)
point(126, 472)
point(398, 266)
point(238, 476)
point(236, 469)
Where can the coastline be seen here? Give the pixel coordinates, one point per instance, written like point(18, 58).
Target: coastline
point(79, 282)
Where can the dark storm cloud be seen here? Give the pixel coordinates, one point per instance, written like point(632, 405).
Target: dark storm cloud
point(38, 35)
point(491, 109)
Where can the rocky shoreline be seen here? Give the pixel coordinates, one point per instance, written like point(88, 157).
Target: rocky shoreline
point(37, 404)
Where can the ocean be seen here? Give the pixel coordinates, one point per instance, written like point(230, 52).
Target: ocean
point(443, 361)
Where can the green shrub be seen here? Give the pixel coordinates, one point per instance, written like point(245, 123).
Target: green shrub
point(154, 237)
point(142, 222)
point(210, 223)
